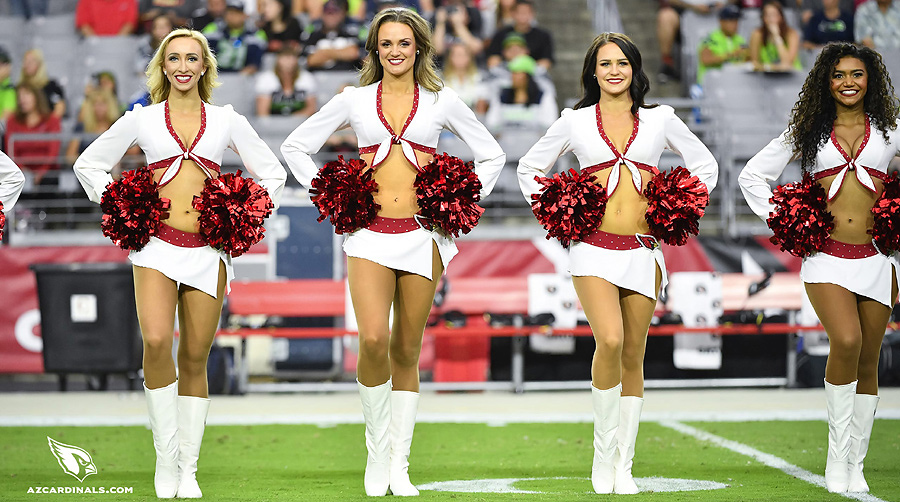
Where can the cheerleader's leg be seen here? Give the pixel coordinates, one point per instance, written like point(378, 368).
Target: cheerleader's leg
point(155, 296)
point(412, 304)
point(198, 319)
point(836, 308)
point(372, 288)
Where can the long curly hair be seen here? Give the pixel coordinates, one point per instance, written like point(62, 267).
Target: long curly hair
point(590, 88)
point(812, 117)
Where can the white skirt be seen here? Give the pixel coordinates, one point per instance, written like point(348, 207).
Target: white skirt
point(869, 277)
point(407, 251)
point(633, 269)
point(196, 267)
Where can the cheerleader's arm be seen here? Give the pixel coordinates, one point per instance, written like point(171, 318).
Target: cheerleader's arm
point(256, 155)
point(542, 156)
point(308, 137)
point(489, 157)
point(697, 158)
point(11, 182)
point(765, 167)
point(94, 166)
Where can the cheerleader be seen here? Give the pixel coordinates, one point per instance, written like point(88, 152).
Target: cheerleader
point(184, 138)
point(844, 131)
point(617, 266)
point(11, 183)
point(397, 258)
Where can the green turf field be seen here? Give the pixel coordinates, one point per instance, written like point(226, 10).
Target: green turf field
point(308, 463)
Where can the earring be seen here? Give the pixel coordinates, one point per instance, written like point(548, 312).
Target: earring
point(202, 73)
point(164, 72)
point(417, 51)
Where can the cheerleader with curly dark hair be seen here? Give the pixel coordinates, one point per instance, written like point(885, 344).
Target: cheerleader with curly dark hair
point(615, 258)
point(844, 131)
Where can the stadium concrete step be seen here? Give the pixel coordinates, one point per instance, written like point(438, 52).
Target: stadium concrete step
point(570, 23)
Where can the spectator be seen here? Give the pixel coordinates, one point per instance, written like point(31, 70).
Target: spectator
point(180, 10)
point(808, 7)
point(456, 21)
point(103, 81)
point(828, 24)
point(668, 31)
point(162, 25)
point(312, 9)
point(774, 45)
point(237, 49)
point(34, 73)
point(877, 24)
point(7, 90)
point(423, 7)
point(540, 43)
point(281, 28)
point(334, 42)
point(105, 18)
point(462, 75)
point(29, 8)
point(99, 110)
point(33, 116)
point(723, 45)
point(503, 16)
point(287, 89)
point(523, 105)
point(213, 12)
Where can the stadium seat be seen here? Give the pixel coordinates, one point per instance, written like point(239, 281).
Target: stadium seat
point(56, 26)
point(328, 83)
point(236, 90)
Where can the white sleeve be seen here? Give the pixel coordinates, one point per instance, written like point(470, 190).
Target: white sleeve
point(309, 136)
point(489, 157)
point(256, 156)
point(697, 158)
point(765, 167)
point(11, 182)
point(541, 157)
point(94, 165)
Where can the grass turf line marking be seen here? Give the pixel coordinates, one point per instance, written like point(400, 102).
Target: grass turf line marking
point(766, 459)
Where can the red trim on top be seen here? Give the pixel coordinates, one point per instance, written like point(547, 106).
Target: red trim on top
point(634, 132)
point(875, 173)
point(412, 113)
point(620, 156)
point(865, 140)
point(185, 153)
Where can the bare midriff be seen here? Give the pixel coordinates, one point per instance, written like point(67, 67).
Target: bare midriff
point(395, 177)
point(180, 191)
point(626, 208)
point(852, 209)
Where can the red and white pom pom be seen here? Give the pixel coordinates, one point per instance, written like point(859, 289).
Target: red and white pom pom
point(447, 190)
point(570, 206)
point(2, 221)
point(232, 209)
point(886, 230)
point(132, 209)
point(676, 202)
point(343, 192)
point(801, 220)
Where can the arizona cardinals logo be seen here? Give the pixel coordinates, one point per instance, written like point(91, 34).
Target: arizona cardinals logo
point(74, 461)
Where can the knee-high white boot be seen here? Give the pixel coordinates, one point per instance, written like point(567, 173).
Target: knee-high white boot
point(629, 420)
point(404, 405)
point(162, 404)
point(860, 432)
point(192, 413)
point(606, 424)
point(376, 405)
point(839, 401)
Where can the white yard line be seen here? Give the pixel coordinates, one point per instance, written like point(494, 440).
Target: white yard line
point(766, 459)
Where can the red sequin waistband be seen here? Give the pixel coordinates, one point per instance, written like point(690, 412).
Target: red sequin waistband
point(850, 251)
point(179, 238)
point(393, 225)
point(618, 242)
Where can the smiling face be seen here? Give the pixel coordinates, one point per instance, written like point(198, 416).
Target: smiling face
point(396, 48)
point(613, 70)
point(849, 82)
point(26, 100)
point(183, 63)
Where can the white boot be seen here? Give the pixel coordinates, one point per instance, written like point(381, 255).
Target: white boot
point(606, 424)
point(376, 405)
point(192, 413)
point(403, 420)
point(629, 419)
point(860, 431)
point(163, 407)
point(839, 401)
